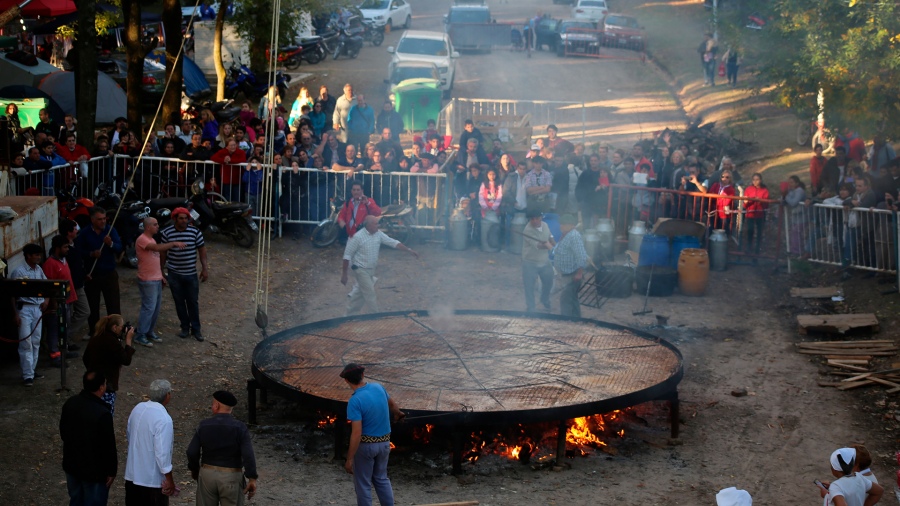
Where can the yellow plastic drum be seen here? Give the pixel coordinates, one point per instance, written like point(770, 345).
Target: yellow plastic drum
point(693, 271)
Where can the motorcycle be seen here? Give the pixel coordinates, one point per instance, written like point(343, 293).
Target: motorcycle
point(310, 50)
point(328, 230)
point(211, 211)
point(397, 222)
point(225, 111)
point(348, 45)
point(372, 33)
point(241, 79)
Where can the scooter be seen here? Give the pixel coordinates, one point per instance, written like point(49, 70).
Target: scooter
point(372, 33)
point(328, 229)
point(309, 49)
point(241, 79)
point(225, 111)
point(213, 212)
point(348, 45)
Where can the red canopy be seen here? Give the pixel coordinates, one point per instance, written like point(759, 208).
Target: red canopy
point(41, 7)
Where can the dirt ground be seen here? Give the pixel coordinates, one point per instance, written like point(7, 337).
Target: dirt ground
point(773, 442)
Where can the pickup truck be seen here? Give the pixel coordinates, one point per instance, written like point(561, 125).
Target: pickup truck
point(470, 27)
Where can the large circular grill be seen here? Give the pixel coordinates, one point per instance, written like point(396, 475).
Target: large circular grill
point(473, 367)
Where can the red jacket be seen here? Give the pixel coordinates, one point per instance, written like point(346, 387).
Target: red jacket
point(361, 212)
point(816, 166)
point(57, 269)
point(756, 209)
point(231, 173)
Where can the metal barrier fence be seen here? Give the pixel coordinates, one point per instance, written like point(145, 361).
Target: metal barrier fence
point(860, 238)
point(522, 118)
point(754, 233)
point(302, 196)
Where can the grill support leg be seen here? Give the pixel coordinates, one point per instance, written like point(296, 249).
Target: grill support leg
point(674, 414)
point(340, 426)
point(561, 442)
point(252, 385)
point(457, 451)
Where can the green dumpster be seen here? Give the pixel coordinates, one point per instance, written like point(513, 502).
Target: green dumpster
point(417, 101)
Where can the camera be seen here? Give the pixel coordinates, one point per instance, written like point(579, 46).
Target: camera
point(128, 327)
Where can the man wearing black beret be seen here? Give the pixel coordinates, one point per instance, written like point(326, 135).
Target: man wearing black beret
point(221, 455)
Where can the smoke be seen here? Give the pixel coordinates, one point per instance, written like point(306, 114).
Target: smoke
point(442, 313)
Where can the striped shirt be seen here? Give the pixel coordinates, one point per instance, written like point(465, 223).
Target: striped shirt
point(362, 249)
point(26, 272)
point(183, 261)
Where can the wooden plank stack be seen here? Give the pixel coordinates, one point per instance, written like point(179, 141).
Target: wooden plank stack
point(837, 323)
point(819, 292)
point(852, 360)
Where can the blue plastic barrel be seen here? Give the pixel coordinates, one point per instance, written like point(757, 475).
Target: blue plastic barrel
point(654, 251)
point(679, 243)
point(552, 221)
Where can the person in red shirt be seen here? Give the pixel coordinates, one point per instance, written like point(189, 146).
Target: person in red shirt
point(229, 157)
point(55, 267)
point(725, 188)
point(855, 146)
point(816, 165)
point(755, 212)
point(354, 211)
point(641, 163)
point(73, 153)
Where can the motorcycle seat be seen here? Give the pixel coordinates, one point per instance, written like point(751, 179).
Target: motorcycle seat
point(169, 203)
point(290, 49)
point(229, 206)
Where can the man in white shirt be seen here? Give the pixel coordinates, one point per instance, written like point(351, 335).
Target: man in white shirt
point(28, 312)
point(361, 254)
point(148, 470)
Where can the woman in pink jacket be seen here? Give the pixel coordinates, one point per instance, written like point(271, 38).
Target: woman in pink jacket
point(490, 193)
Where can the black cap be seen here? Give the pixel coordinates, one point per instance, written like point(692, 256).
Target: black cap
point(532, 212)
point(352, 368)
point(225, 397)
point(552, 127)
point(538, 159)
point(426, 156)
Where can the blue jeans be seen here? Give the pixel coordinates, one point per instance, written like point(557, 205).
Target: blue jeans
point(530, 274)
point(86, 493)
point(186, 294)
point(370, 468)
point(151, 299)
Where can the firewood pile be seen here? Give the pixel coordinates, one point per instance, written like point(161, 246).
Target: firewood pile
point(704, 141)
point(852, 361)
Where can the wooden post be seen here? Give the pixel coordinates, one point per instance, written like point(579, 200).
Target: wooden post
point(673, 413)
point(561, 442)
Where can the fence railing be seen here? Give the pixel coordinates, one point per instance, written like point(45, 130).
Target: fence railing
point(754, 231)
point(301, 196)
point(861, 238)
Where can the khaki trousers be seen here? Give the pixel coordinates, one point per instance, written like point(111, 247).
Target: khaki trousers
point(365, 295)
point(220, 487)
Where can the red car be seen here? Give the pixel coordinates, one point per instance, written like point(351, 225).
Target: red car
point(623, 31)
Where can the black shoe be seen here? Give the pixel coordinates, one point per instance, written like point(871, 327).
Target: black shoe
point(71, 354)
point(198, 336)
point(74, 347)
point(184, 333)
point(29, 382)
point(39, 376)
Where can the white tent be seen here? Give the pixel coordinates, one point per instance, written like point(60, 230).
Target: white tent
point(111, 100)
point(12, 72)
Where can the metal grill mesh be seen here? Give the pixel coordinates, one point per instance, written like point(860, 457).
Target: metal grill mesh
point(477, 362)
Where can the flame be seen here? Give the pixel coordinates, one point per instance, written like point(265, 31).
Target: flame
point(580, 433)
point(422, 434)
point(513, 452)
point(326, 421)
point(393, 445)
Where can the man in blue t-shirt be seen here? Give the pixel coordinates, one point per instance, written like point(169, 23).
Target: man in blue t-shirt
point(369, 410)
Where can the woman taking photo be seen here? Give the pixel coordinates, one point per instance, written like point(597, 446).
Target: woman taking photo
point(107, 354)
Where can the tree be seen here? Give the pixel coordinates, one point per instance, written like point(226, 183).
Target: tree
point(850, 51)
point(253, 21)
point(171, 18)
point(85, 48)
point(217, 50)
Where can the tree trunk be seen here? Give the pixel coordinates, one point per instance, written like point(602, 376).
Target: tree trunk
point(134, 57)
point(258, 60)
point(86, 72)
point(217, 51)
point(171, 17)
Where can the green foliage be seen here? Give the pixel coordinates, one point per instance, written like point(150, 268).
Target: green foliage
point(103, 22)
point(849, 49)
point(253, 22)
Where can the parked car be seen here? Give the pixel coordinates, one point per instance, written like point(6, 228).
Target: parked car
point(391, 13)
point(623, 31)
point(470, 24)
point(547, 33)
point(577, 37)
point(432, 47)
point(153, 83)
point(593, 10)
point(564, 2)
